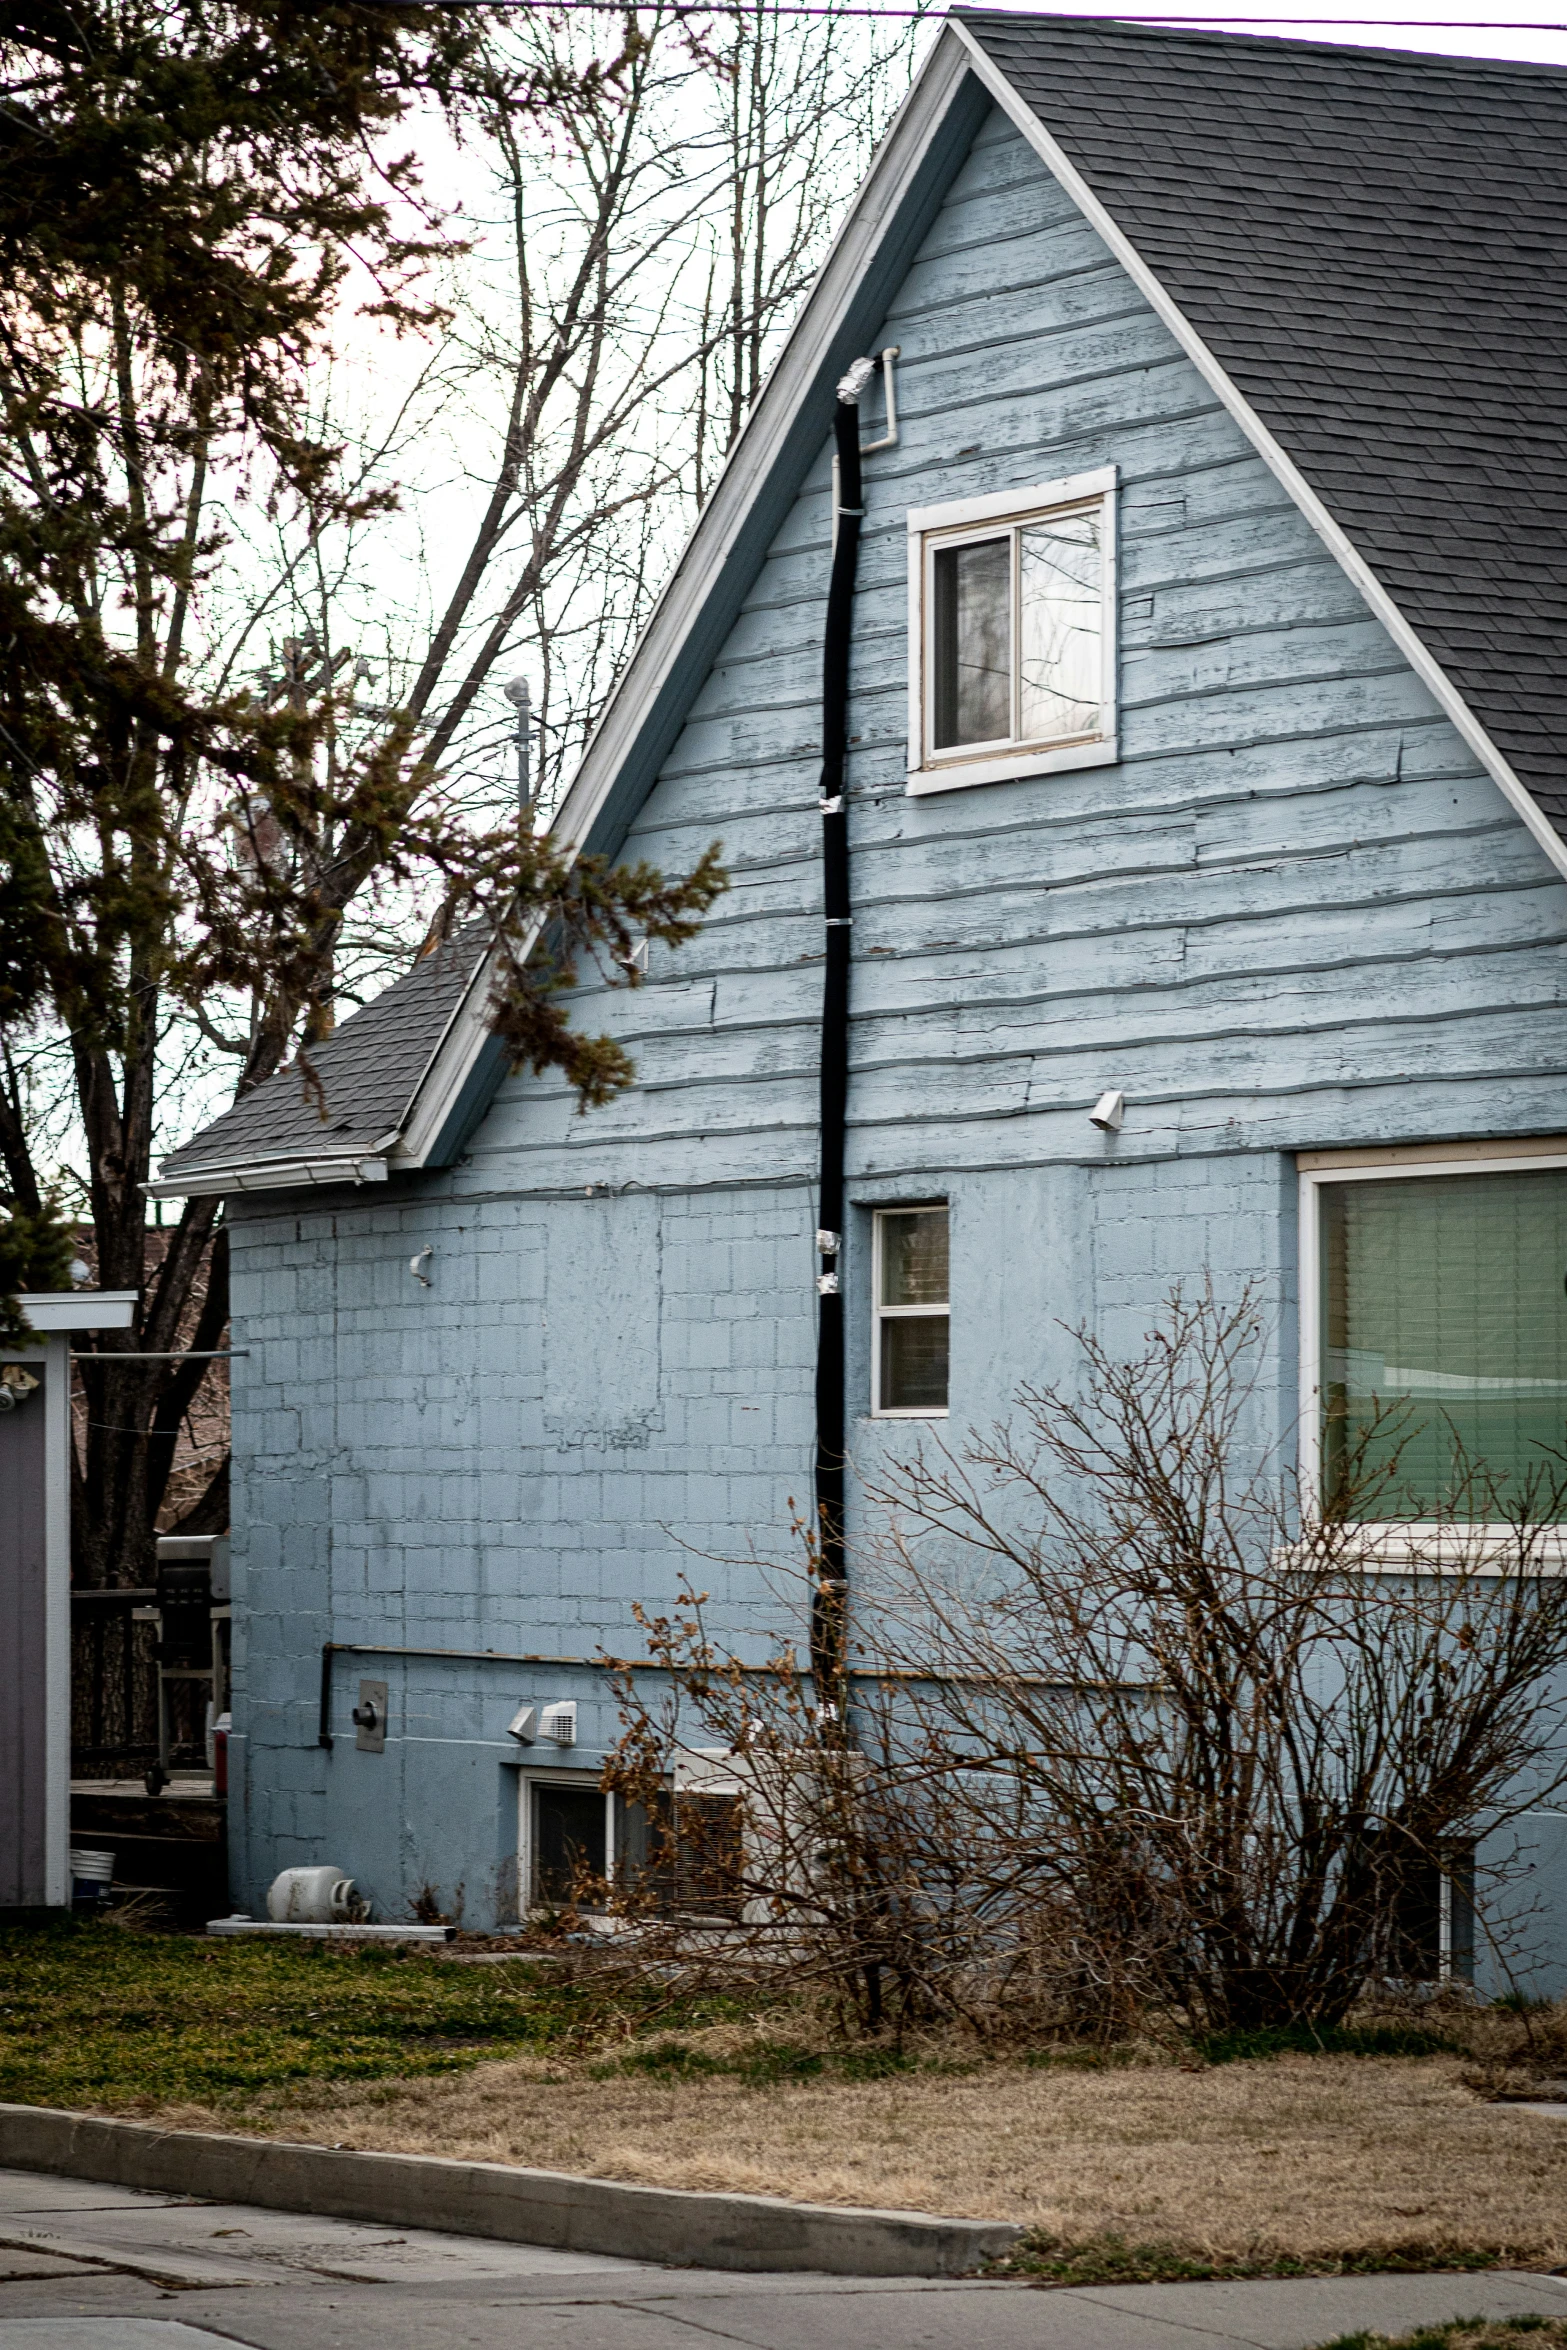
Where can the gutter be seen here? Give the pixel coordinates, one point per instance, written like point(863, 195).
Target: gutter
point(285, 1172)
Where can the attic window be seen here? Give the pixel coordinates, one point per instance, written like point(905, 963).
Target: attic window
point(1012, 656)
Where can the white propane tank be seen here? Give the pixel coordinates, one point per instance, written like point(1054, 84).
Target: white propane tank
point(313, 1897)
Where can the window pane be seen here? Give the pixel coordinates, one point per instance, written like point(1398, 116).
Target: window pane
point(1061, 626)
point(914, 1363)
point(972, 643)
point(568, 1842)
point(1446, 1293)
point(914, 1257)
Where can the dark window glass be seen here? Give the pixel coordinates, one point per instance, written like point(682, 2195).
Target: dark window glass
point(914, 1363)
point(971, 642)
point(1432, 1922)
point(1443, 1296)
point(568, 1842)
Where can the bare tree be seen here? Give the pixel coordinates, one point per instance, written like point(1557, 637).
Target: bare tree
point(796, 116)
point(339, 598)
point(181, 856)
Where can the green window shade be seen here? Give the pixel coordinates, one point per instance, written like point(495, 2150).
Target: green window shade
point(1445, 1295)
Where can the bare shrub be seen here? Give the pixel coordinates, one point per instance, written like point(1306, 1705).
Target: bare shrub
point(1123, 1726)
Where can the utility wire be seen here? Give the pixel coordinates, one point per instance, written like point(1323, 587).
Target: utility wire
point(1196, 19)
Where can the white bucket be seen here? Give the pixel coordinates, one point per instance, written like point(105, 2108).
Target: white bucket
point(92, 1874)
point(313, 1897)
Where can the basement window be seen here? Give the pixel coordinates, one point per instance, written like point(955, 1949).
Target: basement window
point(912, 1313)
point(1433, 1938)
point(1012, 655)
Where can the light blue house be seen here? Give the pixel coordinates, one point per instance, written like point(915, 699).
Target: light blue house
point(1206, 748)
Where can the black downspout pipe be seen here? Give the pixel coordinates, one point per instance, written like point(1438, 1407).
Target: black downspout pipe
point(827, 1604)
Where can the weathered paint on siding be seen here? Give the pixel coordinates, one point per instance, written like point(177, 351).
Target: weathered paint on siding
point(1294, 915)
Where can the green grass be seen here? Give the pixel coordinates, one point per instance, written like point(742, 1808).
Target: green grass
point(91, 2014)
point(1111, 2260)
point(1323, 2040)
point(1466, 2333)
point(763, 2064)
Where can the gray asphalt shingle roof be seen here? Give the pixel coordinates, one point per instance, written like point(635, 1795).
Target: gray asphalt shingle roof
point(369, 1069)
point(1374, 246)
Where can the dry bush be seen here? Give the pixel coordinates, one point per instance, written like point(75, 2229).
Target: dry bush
point(1117, 1728)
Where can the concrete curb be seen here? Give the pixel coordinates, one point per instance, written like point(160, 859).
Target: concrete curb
point(493, 2199)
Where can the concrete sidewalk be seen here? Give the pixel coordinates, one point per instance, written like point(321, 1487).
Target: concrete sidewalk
point(87, 2267)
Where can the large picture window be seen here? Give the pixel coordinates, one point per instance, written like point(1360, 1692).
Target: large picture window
point(1441, 1339)
point(1012, 634)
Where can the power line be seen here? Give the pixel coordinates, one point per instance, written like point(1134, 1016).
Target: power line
point(1196, 18)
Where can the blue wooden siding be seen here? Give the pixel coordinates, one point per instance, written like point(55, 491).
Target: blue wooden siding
point(1295, 915)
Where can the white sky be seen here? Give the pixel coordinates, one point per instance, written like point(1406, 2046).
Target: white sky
point(1458, 32)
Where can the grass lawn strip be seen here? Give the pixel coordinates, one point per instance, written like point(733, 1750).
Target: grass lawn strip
point(93, 2015)
point(1123, 2165)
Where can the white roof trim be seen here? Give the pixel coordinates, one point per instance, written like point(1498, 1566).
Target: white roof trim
point(1420, 658)
point(447, 1070)
point(756, 451)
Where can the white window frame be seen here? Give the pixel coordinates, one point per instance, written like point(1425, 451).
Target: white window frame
point(930, 527)
point(1392, 1545)
point(527, 1899)
point(881, 1313)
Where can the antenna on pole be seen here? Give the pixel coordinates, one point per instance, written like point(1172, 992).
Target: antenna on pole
point(517, 694)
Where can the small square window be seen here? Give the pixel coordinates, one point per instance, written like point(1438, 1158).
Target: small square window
point(911, 1314)
point(1012, 634)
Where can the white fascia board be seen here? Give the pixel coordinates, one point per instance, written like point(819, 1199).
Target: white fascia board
point(79, 1309)
point(1420, 658)
point(758, 449)
point(450, 1065)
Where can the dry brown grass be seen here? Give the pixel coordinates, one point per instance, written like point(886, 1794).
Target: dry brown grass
point(1317, 2158)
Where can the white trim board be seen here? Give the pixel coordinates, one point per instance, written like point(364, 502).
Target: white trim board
point(1419, 656)
point(78, 1309)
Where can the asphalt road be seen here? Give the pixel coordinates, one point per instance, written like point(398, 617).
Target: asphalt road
point(84, 2267)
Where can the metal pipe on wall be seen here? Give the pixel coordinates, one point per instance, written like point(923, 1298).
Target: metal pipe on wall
point(827, 1601)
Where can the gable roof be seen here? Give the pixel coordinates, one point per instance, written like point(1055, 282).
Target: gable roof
point(1357, 248)
point(1371, 245)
